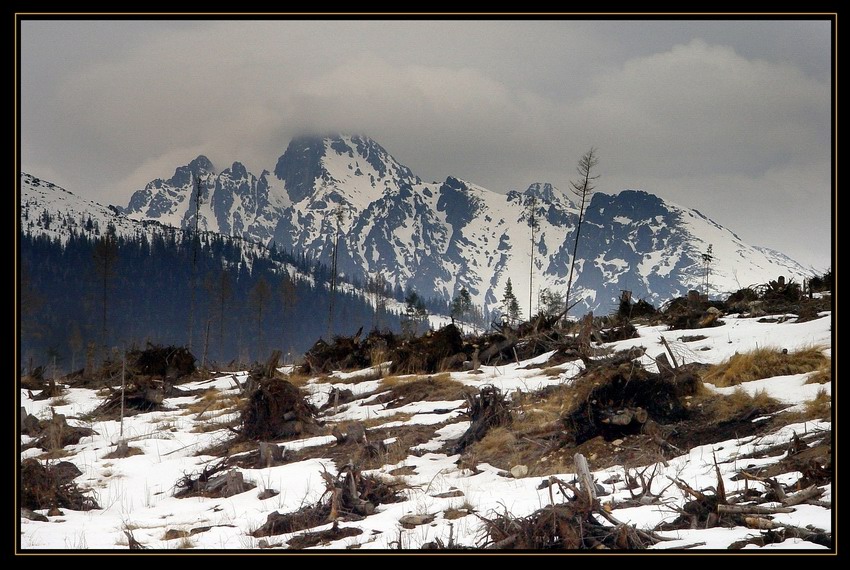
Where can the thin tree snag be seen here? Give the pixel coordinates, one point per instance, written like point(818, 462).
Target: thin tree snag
point(812, 492)
point(752, 509)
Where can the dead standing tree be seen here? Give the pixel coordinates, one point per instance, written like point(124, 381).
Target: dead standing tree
point(582, 188)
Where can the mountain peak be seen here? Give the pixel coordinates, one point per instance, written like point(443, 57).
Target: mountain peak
point(312, 162)
point(201, 164)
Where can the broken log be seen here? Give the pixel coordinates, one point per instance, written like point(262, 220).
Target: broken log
point(812, 492)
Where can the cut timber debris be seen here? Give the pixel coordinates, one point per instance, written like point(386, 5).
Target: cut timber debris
point(141, 394)
point(433, 352)
point(213, 481)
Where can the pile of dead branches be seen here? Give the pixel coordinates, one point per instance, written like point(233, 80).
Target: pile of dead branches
point(171, 362)
point(692, 312)
point(432, 352)
point(166, 364)
point(140, 394)
point(575, 524)
point(349, 496)
point(714, 507)
point(349, 352)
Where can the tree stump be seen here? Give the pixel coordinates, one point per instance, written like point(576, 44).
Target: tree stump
point(270, 454)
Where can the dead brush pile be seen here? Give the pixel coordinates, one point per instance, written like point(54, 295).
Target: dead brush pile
point(575, 524)
point(349, 496)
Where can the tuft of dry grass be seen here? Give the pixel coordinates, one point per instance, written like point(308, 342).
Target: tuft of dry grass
point(820, 407)
point(57, 401)
point(740, 403)
point(213, 400)
point(823, 375)
point(762, 363)
point(457, 513)
point(298, 380)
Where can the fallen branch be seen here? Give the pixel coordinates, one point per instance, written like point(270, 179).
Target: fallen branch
point(504, 543)
point(752, 509)
point(650, 536)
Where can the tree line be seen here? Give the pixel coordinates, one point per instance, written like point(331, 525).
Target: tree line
point(111, 291)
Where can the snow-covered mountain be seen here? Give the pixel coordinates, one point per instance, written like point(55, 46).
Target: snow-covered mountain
point(440, 236)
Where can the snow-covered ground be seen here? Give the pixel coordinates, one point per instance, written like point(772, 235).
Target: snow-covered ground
point(137, 492)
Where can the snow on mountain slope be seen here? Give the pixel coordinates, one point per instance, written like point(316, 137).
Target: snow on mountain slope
point(436, 238)
point(47, 209)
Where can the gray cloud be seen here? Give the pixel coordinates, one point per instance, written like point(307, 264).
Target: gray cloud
point(731, 117)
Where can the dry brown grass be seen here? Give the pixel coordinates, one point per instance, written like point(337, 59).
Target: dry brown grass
point(738, 403)
point(529, 439)
point(413, 388)
point(377, 422)
point(457, 513)
point(822, 375)
point(131, 450)
point(213, 400)
point(764, 363)
point(299, 380)
point(820, 407)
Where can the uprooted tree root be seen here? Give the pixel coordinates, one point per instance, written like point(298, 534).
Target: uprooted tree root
point(621, 400)
point(486, 410)
point(349, 496)
point(214, 480)
point(169, 364)
point(277, 409)
point(572, 525)
point(52, 486)
point(141, 394)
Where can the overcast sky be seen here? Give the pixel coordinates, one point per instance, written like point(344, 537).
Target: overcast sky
point(730, 117)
